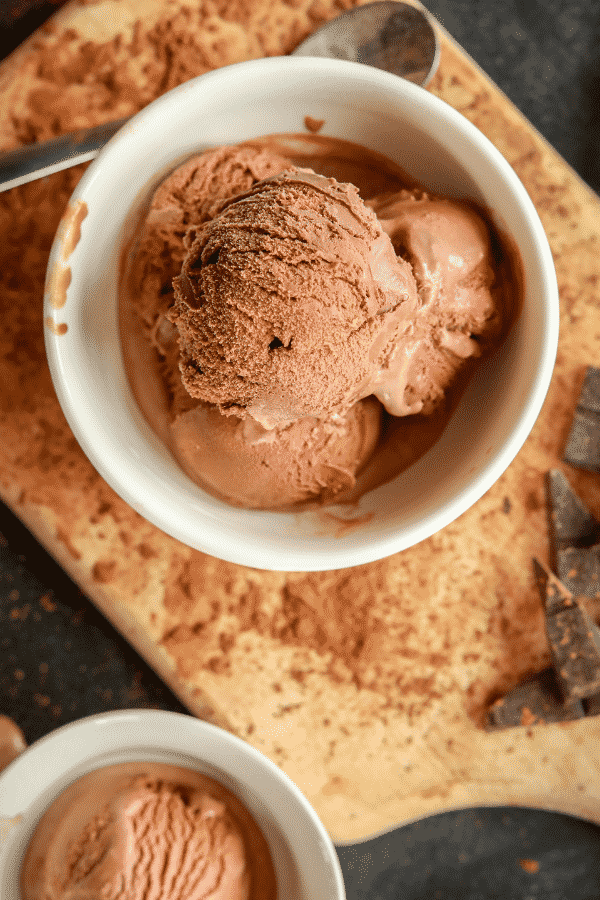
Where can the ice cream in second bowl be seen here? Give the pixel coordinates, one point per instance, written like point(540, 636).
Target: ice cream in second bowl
point(136, 831)
point(291, 323)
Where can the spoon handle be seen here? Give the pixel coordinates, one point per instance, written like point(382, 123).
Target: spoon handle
point(37, 160)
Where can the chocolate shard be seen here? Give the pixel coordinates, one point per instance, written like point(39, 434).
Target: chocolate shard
point(535, 701)
point(574, 536)
point(575, 646)
point(583, 444)
point(579, 570)
point(571, 522)
point(573, 637)
point(592, 705)
point(589, 396)
point(553, 592)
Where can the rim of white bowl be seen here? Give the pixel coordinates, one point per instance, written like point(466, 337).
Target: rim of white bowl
point(237, 544)
point(51, 758)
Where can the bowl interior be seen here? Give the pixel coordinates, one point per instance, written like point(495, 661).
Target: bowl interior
point(435, 145)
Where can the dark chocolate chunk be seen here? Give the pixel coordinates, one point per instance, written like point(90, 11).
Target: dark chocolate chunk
point(553, 592)
point(535, 701)
point(573, 637)
point(589, 396)
point(571, 523)
point(574, 536)
point(575, 646)
point(592, 705)
point(583, 443)
point(579, 570)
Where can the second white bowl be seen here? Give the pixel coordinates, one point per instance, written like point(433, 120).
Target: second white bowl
point(306, 864)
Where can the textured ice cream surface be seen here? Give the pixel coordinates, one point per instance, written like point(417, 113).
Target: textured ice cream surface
point(247, 465)
point(309, 460)
point(460, 310)
point(190, 196)
point(147, 832)
point(289, 300)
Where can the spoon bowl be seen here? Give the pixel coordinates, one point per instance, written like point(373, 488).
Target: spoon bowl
point(396, 37)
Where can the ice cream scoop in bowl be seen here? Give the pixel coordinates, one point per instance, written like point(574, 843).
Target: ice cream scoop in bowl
point(152, 803)
point(440, 150)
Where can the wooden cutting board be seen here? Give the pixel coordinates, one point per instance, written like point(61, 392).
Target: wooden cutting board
point(367, 686)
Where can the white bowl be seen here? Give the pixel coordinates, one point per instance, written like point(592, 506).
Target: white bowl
point(437, 146)
point(306, 864)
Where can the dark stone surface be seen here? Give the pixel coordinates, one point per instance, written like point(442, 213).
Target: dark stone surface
point(482, 854)
point(545, 55)
point(61, 660)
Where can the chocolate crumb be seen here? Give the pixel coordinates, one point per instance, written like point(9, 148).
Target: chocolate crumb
point(527, 717)
point(104, 571)
point(47, 603)
point(313, 125)
point(531, 866)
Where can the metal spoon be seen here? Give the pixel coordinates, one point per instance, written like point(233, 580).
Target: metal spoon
point(390, 35)
point(397, 37)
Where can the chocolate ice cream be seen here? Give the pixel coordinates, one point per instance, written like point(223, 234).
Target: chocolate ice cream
point(460, 312)
point(292, 464)
point(289, 301)
point(190, 196)
point(147, 830)
point(275, 301)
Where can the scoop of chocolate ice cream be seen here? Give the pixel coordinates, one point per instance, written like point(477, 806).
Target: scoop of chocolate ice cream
point(135, 831)
point(289, 300)
point(247, 465)
point(270, 311)
point(448, 245)
point(189, 196)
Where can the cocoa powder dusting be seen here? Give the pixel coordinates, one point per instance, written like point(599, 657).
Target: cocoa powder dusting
point(366, 633)
point(77, 83)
